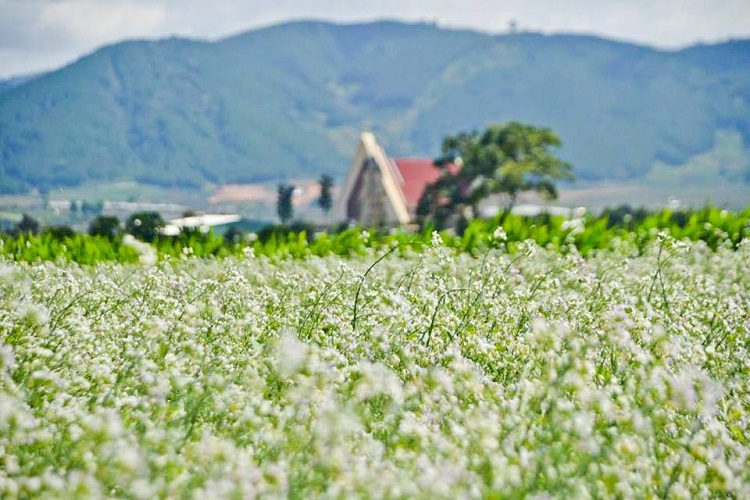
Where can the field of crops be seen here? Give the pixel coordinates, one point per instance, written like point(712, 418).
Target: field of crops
point(587, 233)
point(399, 372)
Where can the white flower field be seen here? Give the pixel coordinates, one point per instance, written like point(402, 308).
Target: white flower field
point(431, 374)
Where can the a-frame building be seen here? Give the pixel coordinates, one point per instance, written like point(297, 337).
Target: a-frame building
point(382, 191)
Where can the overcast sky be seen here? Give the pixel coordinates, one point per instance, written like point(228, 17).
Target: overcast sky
point(39, 35)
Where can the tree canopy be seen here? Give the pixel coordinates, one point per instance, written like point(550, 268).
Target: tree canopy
point(284, 206)
point(505, 159)
point(325, 200)
point(105, 225)
point(27, 225)
point(144, 225)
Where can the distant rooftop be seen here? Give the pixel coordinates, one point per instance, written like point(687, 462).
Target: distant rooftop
point(203, 222)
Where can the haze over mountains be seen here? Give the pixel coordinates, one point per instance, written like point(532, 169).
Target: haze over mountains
point(289, 101)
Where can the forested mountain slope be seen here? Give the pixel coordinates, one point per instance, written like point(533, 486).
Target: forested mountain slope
point(290, 100)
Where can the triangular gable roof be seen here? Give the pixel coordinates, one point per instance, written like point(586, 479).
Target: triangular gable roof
point(404, 179)
point(391, 177)
point(415, 173)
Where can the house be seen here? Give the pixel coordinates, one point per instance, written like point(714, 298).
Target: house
point(204, 223)
point(380, 190)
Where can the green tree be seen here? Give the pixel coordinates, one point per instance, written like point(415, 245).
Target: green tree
point(104, 225)
point(60, 233)
point(505, 159)
point(284, 207)
point(27, 225)
point(234, 235)
point(144, 225)
point(325, 200)
point(98, 207)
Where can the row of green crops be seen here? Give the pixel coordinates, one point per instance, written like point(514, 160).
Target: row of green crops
point(586, 234)
point(80, 248)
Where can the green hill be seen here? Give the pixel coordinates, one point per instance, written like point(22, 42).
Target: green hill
point(290, 100)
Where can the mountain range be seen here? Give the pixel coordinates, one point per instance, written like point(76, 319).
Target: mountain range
point(289, 101)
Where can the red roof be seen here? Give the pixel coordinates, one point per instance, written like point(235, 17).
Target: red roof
point(416, 174)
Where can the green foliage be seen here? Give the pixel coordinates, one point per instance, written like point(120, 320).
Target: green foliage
point(144, 225)
point(192, 242)
point(284, 206)
point(60, 232)
point(79, 248)
point(104, 225)
point(506, 159)
point(179, 112)
point(585, 235)
point(27, 225)
point(325, 200)
point(234, 235)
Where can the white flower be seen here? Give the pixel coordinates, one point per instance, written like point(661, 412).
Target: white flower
point(377, 379)
point(7, 357)
point(146, 253)
point(291, 351)
point(499, 234)
point(437, 240)
point(128, 457)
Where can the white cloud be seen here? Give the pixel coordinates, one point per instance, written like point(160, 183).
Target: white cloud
point(94, 22)
point(43, 28)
